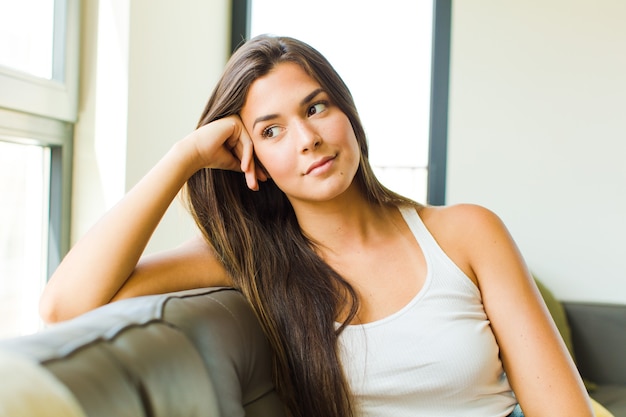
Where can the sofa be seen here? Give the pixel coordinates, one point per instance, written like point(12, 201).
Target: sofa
point(202, 353)
point(598, 338)
point(187, 354)
point(595, 335)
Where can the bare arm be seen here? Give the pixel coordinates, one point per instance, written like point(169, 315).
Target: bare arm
point(538, 365)
point(191, 265)
point(103, 265)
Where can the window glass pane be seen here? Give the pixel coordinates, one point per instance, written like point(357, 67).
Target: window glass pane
point(24, 185)
point(26, 36)
point(382, 50)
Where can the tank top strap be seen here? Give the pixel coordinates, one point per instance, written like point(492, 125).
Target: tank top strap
point(417, 226)
point(443, 267)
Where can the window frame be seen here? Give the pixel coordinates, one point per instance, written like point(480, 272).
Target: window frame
point(440, 75)
point(26, 129)
point(36, 111)
point(56, 98)
point(439, 93)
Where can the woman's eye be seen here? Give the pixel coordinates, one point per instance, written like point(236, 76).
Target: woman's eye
point(270, 132)
point(316, 108)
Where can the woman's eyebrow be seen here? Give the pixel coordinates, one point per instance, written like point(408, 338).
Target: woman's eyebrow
point(311, 96)
point(264, 119)
point(304, 101)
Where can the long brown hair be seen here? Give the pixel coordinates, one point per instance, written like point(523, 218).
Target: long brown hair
point(256, 236)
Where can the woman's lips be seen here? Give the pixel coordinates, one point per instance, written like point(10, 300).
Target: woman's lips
point(319, 164)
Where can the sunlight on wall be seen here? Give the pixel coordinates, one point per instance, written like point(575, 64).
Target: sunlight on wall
point(111, 98)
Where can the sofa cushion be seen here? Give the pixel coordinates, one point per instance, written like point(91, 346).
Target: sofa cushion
point(613, 397)
point(122, 360)
point(232, 346)
point(28, 389)
point(599, 410)
point(192, 353)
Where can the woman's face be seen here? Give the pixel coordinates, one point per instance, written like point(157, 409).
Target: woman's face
point(304, 141)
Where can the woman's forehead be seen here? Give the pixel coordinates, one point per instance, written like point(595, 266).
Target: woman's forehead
point(285, 83)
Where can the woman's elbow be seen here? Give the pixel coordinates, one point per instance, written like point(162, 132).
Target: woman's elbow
point(48, 309)
point(56, 305)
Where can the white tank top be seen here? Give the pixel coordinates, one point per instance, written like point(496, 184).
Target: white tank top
point(437, 356)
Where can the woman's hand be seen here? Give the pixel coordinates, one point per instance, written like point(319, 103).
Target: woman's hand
point(225, 144)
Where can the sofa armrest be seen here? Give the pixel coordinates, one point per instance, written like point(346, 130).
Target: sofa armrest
point(192, 353)
point(599, 339)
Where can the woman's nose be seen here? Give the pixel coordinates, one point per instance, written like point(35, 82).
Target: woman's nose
point(308, 138)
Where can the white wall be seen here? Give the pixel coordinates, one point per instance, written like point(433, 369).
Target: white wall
point(537, 132)
point(147, 69)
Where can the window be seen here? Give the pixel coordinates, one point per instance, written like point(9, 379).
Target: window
point(24, 179)
point(39, 50)
point(26, 38)
point(38, 85)
point(389, 54)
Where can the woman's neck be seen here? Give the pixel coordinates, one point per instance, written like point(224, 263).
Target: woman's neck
point(343, 223)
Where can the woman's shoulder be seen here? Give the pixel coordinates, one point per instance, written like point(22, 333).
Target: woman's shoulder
point(458, 218)
point(463, 231)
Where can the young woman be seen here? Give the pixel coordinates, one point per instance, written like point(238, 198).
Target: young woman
point(374, 305)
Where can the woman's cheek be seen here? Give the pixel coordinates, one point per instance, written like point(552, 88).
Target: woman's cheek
point(268, 161)
point(276, 159)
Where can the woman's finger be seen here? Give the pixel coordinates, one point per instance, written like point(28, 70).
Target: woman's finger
point(245, 149)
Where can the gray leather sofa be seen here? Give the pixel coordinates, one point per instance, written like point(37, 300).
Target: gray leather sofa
point(193, 353)
point(202, 353)
point(599, 340)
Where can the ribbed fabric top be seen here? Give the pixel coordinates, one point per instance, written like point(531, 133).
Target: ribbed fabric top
point(437, 356)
